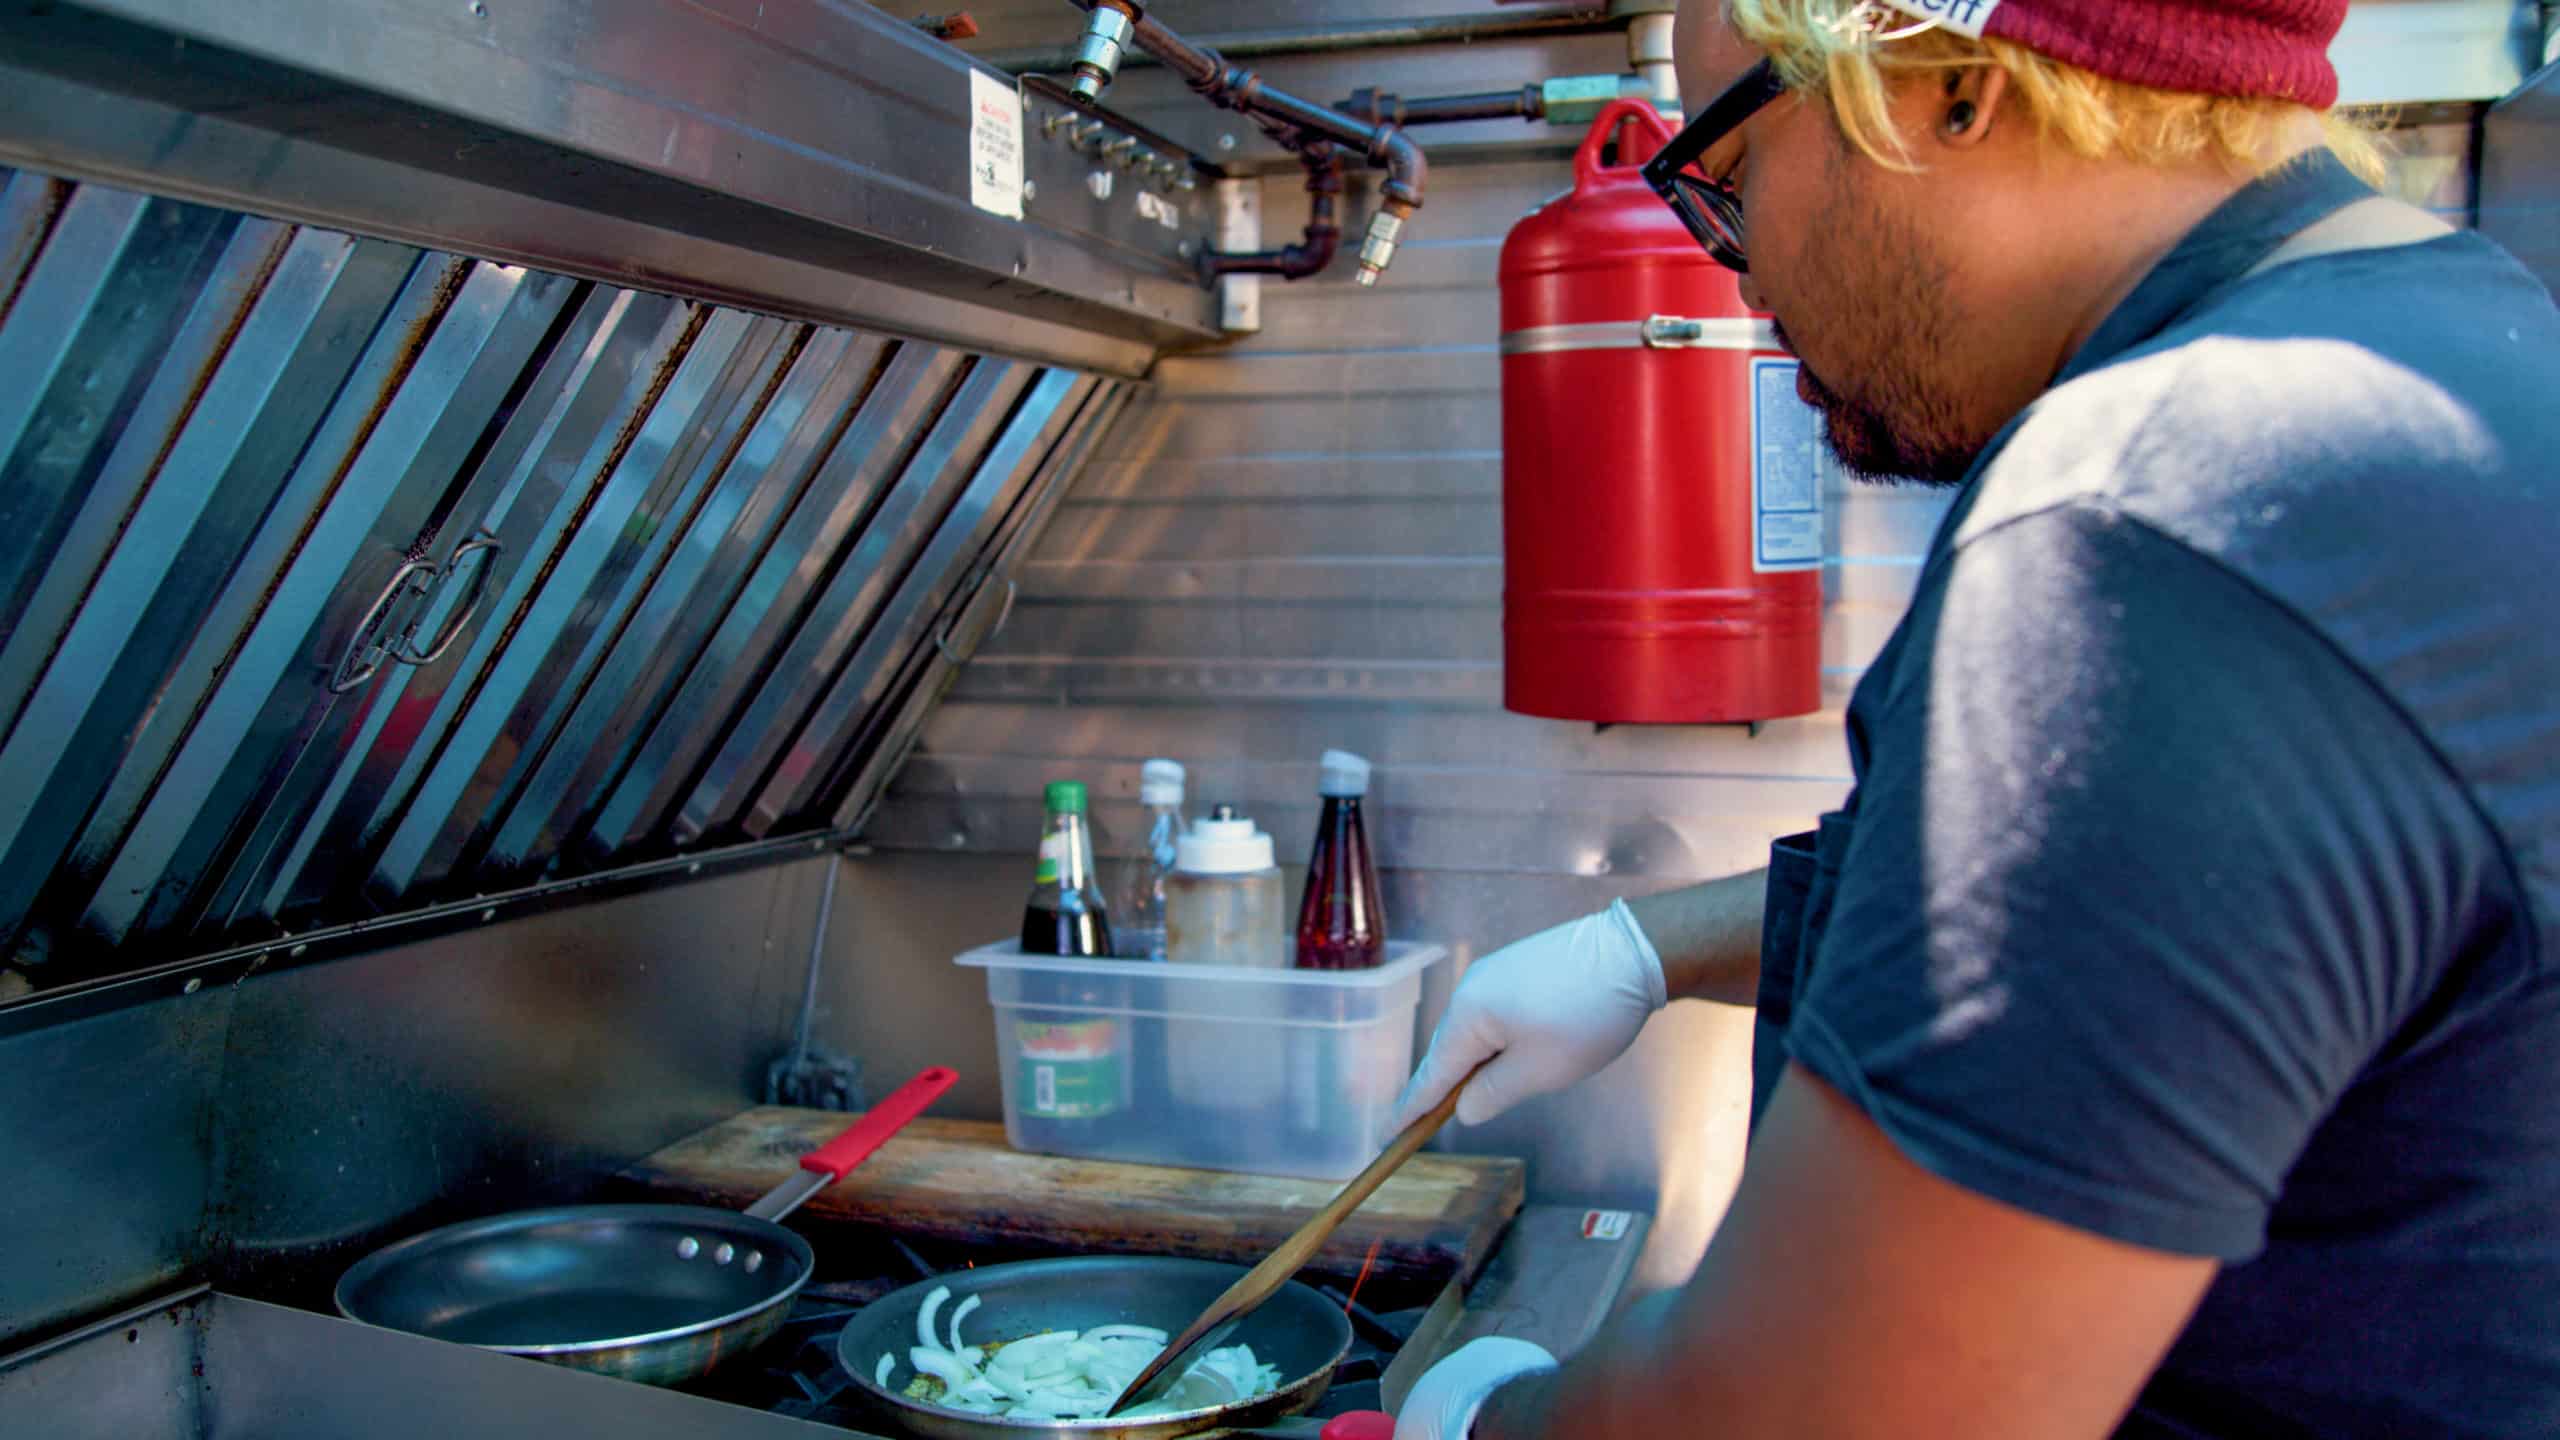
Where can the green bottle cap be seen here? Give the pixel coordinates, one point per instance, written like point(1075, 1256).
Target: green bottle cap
point(1065, 797)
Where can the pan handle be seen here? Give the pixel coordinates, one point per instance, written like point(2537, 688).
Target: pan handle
point(885, 1119)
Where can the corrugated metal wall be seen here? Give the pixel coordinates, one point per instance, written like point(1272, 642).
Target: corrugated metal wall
point(1297, 543)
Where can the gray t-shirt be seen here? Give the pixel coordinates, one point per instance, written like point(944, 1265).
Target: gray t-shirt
point(2207, 829)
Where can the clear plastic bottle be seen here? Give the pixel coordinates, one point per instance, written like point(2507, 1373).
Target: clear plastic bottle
point(1137, 905)
point(1065, 914)
point(1341, 925)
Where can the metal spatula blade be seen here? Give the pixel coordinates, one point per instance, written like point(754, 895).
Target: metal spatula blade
point(1262, 1281)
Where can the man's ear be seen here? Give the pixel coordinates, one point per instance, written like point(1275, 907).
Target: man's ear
point(1972, 102)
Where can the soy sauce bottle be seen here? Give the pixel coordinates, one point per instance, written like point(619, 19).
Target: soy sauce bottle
point(1065, 915)
point(1340, 925)
point(1071, 1039)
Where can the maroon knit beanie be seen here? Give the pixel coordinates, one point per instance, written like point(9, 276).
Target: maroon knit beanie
point(2278, 49)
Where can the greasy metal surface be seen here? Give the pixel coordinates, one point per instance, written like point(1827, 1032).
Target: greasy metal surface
point(276, 1374)
point(655, 562)
point(833, 137)
point(130, 1376)
point(1297, 1330)
point(108, 1138)
point(2520, 174)
point(270, 1130)
point(512, 1066)
point(657, 1294)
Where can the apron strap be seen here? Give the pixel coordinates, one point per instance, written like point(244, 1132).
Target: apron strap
point(2376, 222)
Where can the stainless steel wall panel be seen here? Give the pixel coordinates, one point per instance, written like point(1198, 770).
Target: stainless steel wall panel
point(857, 698)
point(769, 609)
point(528, 493)
point(729, 535)
point(108, 1140)
point(383, 461)
point(509, 719)
point(510, 1065)
point(134, 1376)
point(865, 576)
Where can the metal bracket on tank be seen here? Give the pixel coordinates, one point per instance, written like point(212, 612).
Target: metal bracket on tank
point(1654, 332)
point(1674, 332)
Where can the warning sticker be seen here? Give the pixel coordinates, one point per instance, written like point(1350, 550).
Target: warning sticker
point(1788, 466)
point(1606, 1224)
point(995, 145)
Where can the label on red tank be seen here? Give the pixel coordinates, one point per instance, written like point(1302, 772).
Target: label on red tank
point(1789, 466)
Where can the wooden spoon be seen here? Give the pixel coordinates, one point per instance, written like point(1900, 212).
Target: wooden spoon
point(1264, 1280)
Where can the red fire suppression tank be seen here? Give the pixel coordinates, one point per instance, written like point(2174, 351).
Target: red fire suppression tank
point(1661, 481)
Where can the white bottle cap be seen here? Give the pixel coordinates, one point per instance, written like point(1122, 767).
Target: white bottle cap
point(1222, 847)
point(1345, 775)
point(1160, 783)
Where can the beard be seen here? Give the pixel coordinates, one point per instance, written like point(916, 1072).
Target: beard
point(1896, 415)
point(1873, 446)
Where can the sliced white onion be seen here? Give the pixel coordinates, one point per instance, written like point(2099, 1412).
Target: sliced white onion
point(1067, 1374)
point(1148, 1333)
point(924, 1317)
point(880, 1377)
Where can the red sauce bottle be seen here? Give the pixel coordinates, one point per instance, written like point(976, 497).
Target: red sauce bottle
point(1340, 923)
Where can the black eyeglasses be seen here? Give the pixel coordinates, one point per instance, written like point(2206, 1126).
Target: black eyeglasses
point(1710, 208)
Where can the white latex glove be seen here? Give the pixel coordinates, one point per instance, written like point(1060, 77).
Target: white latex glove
point(1444, 1402)
point(1549, 1011)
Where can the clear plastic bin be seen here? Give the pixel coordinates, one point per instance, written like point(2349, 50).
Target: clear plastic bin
point(1275, 1072)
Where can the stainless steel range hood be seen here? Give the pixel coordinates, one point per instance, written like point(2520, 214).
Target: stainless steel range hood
point(461, 456)
point(341, 576)
point(808, 160)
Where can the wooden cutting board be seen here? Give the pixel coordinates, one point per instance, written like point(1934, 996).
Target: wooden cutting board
point(958, 1181)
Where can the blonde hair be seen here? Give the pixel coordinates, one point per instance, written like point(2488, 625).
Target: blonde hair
point(1847, 49)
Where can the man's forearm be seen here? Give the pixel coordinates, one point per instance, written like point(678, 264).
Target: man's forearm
point(1708, 936)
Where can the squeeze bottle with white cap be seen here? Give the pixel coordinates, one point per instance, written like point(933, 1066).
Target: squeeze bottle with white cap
point(1340, 924)
point(1137, 908)
point(1224, 902)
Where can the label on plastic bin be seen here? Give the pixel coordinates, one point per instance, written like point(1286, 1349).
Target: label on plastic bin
point(1070, 1071)
point(1606, 1224)
point(1788, 461)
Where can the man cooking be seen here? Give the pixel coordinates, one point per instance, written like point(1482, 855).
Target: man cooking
point(2164, 1039)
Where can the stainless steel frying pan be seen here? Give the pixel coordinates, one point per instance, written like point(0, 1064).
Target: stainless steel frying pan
point(1298, 1330)
point(654, 1293)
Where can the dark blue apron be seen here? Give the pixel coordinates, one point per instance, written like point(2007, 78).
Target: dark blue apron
point(1804, 876)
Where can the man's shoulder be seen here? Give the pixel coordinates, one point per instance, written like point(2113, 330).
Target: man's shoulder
point(2378, 393)
point(2368, 448)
